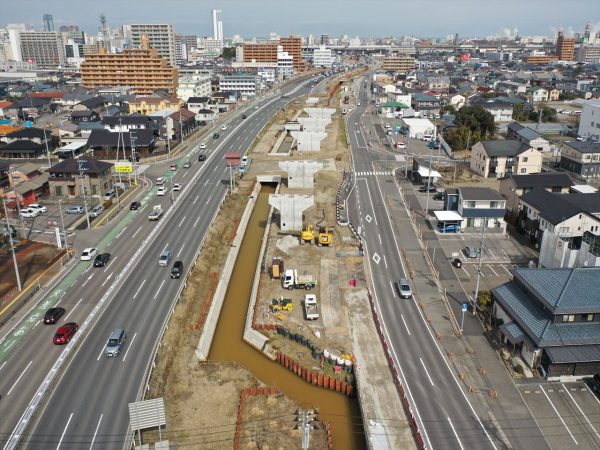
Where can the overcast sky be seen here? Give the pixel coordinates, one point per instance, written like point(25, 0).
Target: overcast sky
point(364, 18)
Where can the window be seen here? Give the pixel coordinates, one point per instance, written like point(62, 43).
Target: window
point(525, 158)
point(58, 191)
point(568, 318)
point(588, 317)
point(493, 204)
point(523, 170)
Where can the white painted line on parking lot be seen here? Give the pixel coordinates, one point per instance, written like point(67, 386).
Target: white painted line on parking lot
point(62, 436)
point(159, 288)
point(559, 416)
point(107, 278)
point(139, 289)
point(465, 270)
point(182, 220)
point(72, 309)
point(206, 184)
point(505, 254)
point(196, 222)
point(18, 379)
point(196, 199)
point(138, 230)
point(582, 413)
point(507, 271)
point(408, 331)
point(216, 167)
point(491, 253)
point(492, 269)
point(425, 369)
point(130, 345)
point(455, 434)
point(96, 432)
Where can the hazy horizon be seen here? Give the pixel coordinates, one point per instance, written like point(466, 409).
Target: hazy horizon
point(377, 18)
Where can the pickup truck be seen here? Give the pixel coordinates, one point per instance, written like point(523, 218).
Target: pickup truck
point(311, 308)
point(292, 280)
point(156, 213)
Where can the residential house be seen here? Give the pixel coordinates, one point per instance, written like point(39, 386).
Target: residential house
point(96, 103)
point(105, 144)
point(27, 143)
point(537, 94)
point(589, 121)
point(497, 159)
point(581, 158)
point(501, 111)
point(148, 105)
point(65, 179)
point(481, 207)
point(513, 186)
point(4, 107)
point(29, 108)
point(457, 101)
point(179, 124)
point(426, 103)
point(551, 318)
point(84, 116)
point(438, 83)
point(125, 124)
point(528, 137)
point(565, 227)
point(553, 95)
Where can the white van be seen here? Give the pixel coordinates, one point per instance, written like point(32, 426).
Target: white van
point(160, 181)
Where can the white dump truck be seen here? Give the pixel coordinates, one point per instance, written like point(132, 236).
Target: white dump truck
point(156, 213)
point(292, 280)
point(311, 307)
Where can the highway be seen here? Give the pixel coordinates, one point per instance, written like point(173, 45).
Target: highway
point(444, 414)
point(87, 405)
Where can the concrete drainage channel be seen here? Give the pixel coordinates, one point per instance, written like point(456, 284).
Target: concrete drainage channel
point(235, 340)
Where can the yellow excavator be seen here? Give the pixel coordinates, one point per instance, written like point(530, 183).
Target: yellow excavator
point(325, 236)
point(307, 234)
point(283, 304)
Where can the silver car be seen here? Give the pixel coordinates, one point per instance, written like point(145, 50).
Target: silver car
point(164, 258)
point(405, 291)
point(115, 342)
point(472, 252)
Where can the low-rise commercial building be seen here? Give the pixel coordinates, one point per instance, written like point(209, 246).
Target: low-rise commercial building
point(244, 85)
point(589, 121)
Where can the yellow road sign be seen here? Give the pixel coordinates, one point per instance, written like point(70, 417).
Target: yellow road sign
point(123, 167)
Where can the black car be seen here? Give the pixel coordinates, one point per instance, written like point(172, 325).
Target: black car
point(102, 259)
point(426, 188)
point(53, 314)
point(135, 206)
point(177, 269)
point(216, 136)
point(439, 196)
point(201, 157)
point(244, 116)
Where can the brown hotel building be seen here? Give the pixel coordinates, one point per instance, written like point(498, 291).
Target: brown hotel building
point(141, 69)
point(267, 52)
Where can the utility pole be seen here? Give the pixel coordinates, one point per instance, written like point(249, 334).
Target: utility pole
point(62, 221)
point(479, 266)
point(119, 140)
point(428, 182)
point(82, 170)
point(306, 418)
point(12, 248)
point(133, 157)
point(407, 143)
point(12, 182)
point(47, 149)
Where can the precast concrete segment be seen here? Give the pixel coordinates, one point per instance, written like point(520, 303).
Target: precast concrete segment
point(291, 208)
point(301, 174)
point(308, 141)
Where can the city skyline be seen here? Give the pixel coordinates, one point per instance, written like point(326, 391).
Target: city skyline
point(381, 18)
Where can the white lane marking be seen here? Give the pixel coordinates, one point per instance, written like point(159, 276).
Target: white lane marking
point(100, 354)
point(492, 269)
point(208, 200)
point(72, 309)
point(559, 416)
point(380, 241)
point(455, 434)
point(129, 346)
point(88, 279)
point(408, 331)
point(138, 230)
point(427, 373)
point(206, 184)
point(19, 379)
point(581, 411)
point(166, 246)
point(180, 250)
point(385, 261)
point(107, 278)
point(196, 222)
point(182, 220)
point(195, 200)
point(139, 289)
point(96, 432)
point(121, 232)
point(159, 288)
point(113, 260)
point(3, 364)
point(216, 167)
point(393, 290)
point(62, 436)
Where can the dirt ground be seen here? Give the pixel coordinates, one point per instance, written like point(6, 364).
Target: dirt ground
point(33, 258)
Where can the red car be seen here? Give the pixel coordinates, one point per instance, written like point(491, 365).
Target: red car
point(65, 333)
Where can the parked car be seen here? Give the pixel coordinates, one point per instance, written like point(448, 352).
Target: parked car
point(448, 227)
point(223, 127)
point(101, 260)
point(595, 382)
point(244, 116)
point(42, 209)
point(439, 196)
point(109, 195)
point(75, 210)
point(135, 206)
point(65, 333)
point(162, 190)
point(472, 252)
point(201, 157)
point(187, 164)
point(53, 314)
point(97, 210)
point(29, 213)
point(88, 254)
point(425, 188)
point(401, 145)
point(177, 187)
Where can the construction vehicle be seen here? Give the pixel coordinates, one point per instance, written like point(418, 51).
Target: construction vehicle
point(325, 236)
point(156, 213)
point(294, 281)
point(283, 304)
point(307, 234)
point(311, 308)
point(277, 268)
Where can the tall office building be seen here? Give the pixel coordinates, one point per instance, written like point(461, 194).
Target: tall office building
point(267, 52)
point(565, 47)
point(48, 22)
point(43, 48)
point(217, 25)
point(160, 36)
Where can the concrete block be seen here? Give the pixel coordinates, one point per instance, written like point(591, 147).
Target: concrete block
point(313, 124)
point(308, 142)
point(320, 113)
point(290, 209)
point(301, 174)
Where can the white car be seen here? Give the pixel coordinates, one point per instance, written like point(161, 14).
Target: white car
point(41, 208)
point(223, 127)
point(29, 213)
point(177, 187)
point(202, 146)
point(400, 145)
point(88, 254)
point(162, 190)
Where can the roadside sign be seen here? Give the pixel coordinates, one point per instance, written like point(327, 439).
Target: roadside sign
point(465, 307)
point(169, 174)
point(123, 167)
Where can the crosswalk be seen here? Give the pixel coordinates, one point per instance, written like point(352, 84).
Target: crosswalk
point(365, 174)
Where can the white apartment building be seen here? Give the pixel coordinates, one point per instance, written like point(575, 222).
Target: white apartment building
point(160, 36)
point(322, 57)
point(43, 48)
point(245, 85)
point(193, 86)
point(285, 63)
point(589, 121)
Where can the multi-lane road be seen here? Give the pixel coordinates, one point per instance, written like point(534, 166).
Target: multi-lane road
point(85, 405)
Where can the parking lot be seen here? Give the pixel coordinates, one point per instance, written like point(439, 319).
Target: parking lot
point(567, 413)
